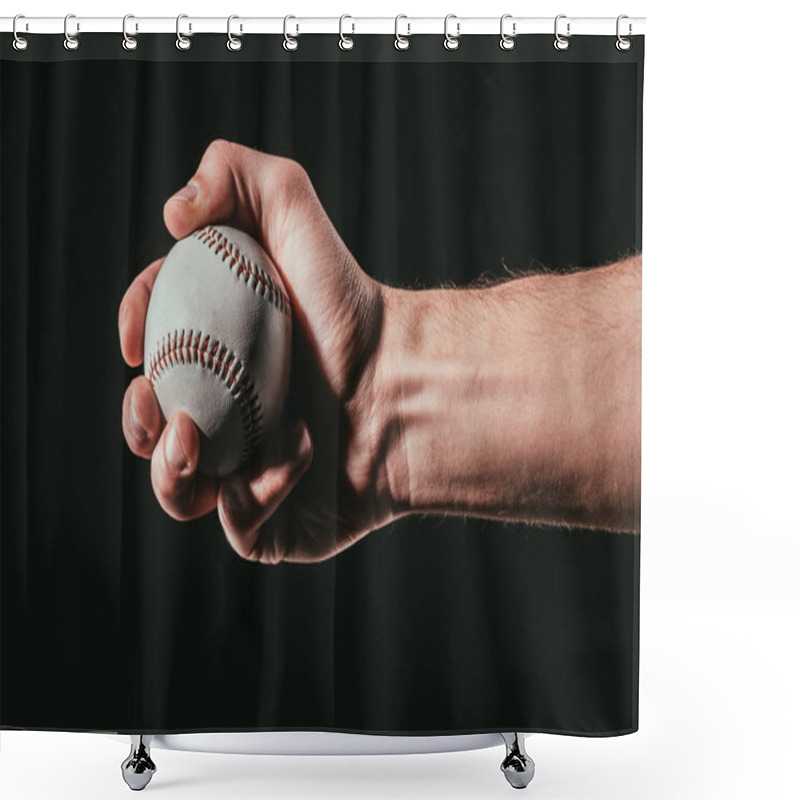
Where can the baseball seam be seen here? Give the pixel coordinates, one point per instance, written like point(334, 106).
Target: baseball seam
point(195, 347)
point(241, 266)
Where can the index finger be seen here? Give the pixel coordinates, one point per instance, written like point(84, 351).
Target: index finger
point(132, 314)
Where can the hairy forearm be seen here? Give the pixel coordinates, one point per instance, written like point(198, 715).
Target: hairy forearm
point(520, 401)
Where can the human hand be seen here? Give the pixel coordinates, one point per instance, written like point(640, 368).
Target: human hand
point(519, 401)
point(288, 504)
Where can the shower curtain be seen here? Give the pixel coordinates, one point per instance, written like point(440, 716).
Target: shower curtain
point(440, 532)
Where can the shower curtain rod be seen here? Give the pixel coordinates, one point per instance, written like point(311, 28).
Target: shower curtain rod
point(404, 25)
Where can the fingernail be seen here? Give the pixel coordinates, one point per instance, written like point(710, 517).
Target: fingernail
point(122, 326)
point(136, 422)
point(188, 193)
point(173, 450)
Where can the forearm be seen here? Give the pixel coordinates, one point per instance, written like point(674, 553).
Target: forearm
point(519, 401)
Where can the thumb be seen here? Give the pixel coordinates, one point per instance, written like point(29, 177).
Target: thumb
point(240, 186)
point(211, 195)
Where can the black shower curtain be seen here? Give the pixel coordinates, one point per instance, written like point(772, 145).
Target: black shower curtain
point(436, 168)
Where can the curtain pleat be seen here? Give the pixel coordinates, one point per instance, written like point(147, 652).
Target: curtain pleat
point(117, 617)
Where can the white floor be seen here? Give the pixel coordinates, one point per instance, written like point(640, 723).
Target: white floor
point(719, 698)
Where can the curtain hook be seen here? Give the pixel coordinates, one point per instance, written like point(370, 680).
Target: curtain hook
point(507, 42)
point(71, 42)
point(129, 42)
point(623, 43)
point(182, 42)
point(561, 42)
point(289, 42)
point(20, 42)
point(346, 42)
point(451, 42)
point(401, 42)
point(234, 43)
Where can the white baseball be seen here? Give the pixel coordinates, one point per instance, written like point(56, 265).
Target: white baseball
point(217, 342)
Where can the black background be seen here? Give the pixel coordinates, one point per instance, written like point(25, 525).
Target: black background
point(433, 167)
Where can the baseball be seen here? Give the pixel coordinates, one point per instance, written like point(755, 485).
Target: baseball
point(217, 342)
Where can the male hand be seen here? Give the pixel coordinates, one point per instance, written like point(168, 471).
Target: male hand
point(519, 401)
point(317, 485)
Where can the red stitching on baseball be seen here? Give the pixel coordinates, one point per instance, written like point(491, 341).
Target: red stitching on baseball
point(256, 278)
point(180, 347)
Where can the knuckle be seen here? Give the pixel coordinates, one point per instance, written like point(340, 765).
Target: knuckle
point(293, 180)
point(137, 439)
point(252, 543)
point(175, 497)
point(220, 147)
point(238, 538)
point(267, 550)
point(136, 436)
point(221, 156)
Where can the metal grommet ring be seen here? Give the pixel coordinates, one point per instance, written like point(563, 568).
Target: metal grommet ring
point(507, 42)
point(289, 42)
point(346, 42)
point(561, 42)
point(401, 42)
point(129, 42)
point(70, 42)
point(20, 42)
point(182, 42)
point(451, 42)
point(623, 44)
point(234, 43)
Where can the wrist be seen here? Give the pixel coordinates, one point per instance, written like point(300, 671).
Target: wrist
point(393, 359)
point(435, 374)
point(377, 465)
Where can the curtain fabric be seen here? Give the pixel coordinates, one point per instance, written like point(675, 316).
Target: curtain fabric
point(436, 168)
